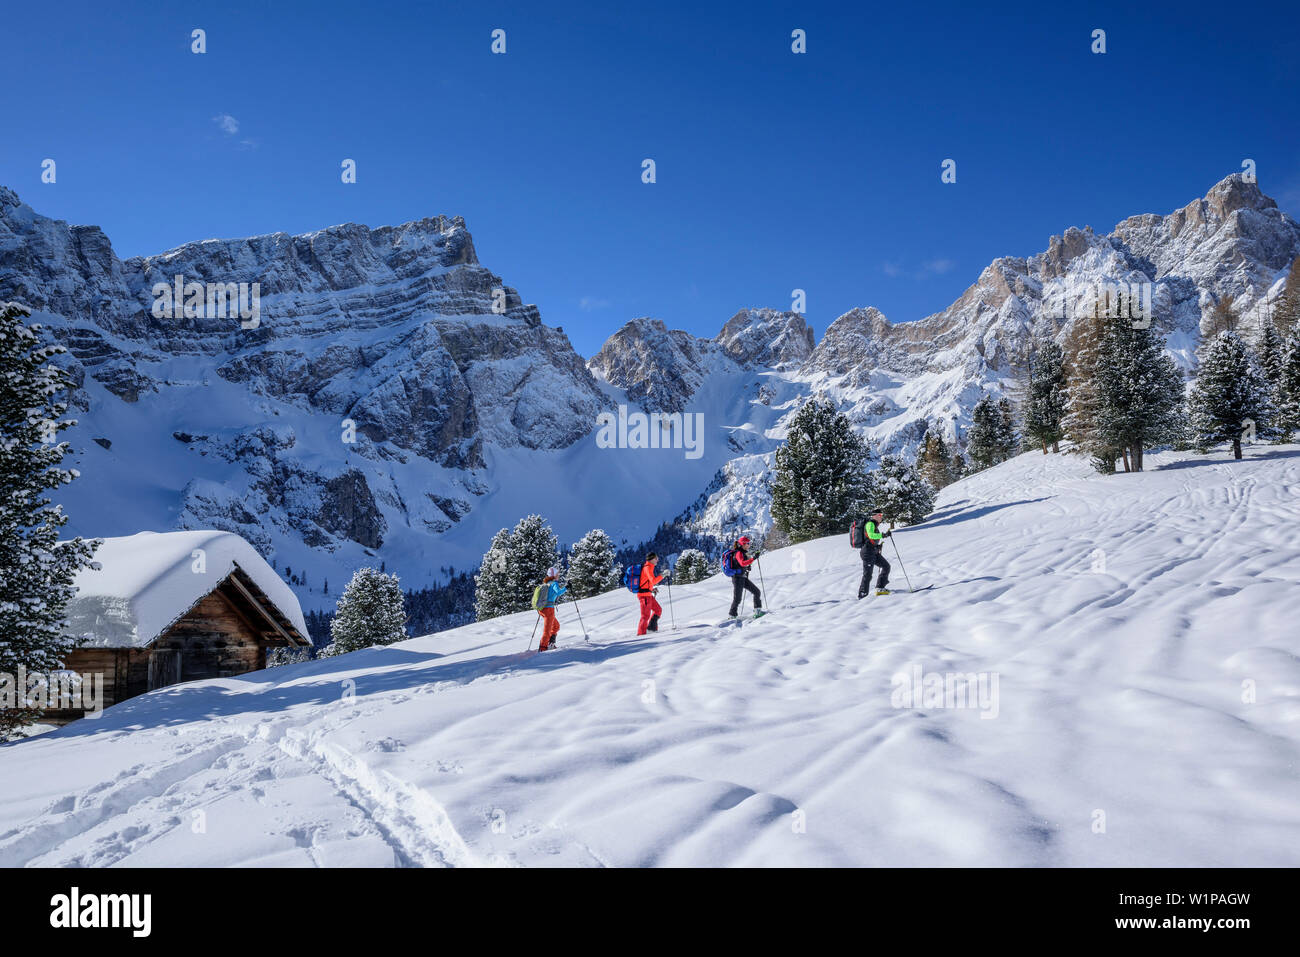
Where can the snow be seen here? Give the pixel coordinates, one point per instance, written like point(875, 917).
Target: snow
point(1140, 630)
point(147, 581)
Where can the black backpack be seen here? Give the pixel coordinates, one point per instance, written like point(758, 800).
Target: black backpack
point(858, 532)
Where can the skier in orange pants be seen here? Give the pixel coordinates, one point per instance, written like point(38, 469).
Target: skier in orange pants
point(650, 610)
point(544, 600)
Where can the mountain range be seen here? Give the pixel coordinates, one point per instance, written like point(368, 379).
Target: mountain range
point(396, 402)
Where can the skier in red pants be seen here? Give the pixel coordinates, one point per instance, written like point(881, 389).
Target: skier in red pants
point(650, 610)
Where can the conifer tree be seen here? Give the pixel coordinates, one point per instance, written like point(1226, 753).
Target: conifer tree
point(1231, 398)
point(992, 437)
point(821, 477)
point(1141, 391)
point(1272, 357)
point(371, 611)
point(936, 460)
point(1007, 439)
point(531, 550)
point(592, 569)
point(1289, 388)
point(902, 494)
point(1286, 312)
point(491, 584)
point(36, 570)
point(1083, 405)
point(1045, 401)
point(692, 566)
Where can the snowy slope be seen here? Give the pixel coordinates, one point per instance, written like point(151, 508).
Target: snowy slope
point(1124, 618)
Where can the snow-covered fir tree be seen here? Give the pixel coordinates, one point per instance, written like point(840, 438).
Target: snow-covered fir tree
point(692, 566)
point(1289, 388)
point(530, 551)
point(821, 477)
point(1230, 398)
point(492, 584)
point(592, 569)
point(371, 611)
point(992, 437)
point(1272, 357)
point(36, 571)
point(1007, 442)
point(935, 460)
point(1046, 396)
point(1140, 390)
point(277, 657)
point(902, 494)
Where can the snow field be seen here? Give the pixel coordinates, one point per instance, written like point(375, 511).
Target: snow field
point(1136, 633)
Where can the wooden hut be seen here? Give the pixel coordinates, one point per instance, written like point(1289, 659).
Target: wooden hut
point(163, 608)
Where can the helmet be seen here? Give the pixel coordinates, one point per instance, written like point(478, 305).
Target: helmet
point(743, 541)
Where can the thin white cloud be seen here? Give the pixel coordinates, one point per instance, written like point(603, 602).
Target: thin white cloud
point(226, 123)
point(931, 267)
point(592, 303)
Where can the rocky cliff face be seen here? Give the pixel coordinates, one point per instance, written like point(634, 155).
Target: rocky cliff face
point(376, 346)
point(663, 369)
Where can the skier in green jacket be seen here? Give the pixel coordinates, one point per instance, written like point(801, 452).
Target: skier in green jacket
point(872, 545)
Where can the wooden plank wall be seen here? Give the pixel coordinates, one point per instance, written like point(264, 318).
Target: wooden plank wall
point(215, 641)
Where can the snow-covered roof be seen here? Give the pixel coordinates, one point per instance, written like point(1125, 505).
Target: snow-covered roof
point(149, 580)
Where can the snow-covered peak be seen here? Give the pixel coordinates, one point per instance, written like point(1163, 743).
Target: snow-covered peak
point(758, 338)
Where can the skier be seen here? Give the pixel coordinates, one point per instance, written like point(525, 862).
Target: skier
point(872, 546)
point(740, 561)
point(545, 597)
point(650, 610)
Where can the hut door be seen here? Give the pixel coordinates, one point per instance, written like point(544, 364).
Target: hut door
point(164, 668)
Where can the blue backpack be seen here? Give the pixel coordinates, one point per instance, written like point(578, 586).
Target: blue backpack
point(632, 579)
point(728, 566)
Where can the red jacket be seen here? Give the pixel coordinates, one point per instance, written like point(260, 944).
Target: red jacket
point(648, 579)
point(741, 559)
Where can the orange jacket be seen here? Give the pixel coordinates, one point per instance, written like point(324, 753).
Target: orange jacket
point(648, 579)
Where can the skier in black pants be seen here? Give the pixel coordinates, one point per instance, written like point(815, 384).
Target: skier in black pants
point(871, 550)
point(741, 561)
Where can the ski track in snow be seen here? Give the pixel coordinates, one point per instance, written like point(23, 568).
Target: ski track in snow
point(1121, 616)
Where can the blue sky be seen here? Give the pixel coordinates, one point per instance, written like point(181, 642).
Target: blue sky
point(776, 171)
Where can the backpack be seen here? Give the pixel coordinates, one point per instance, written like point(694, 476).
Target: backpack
point(858, 532)
point(539, 596)
point(729, 567)
point(632, 579)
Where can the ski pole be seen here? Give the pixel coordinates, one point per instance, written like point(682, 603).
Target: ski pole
point(671, 614)
point(530, 640)
point(900, 562)
point(580, 621)
point(759, 561)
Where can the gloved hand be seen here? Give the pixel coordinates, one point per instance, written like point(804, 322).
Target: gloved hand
point(889, 534)
point(667, 572)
